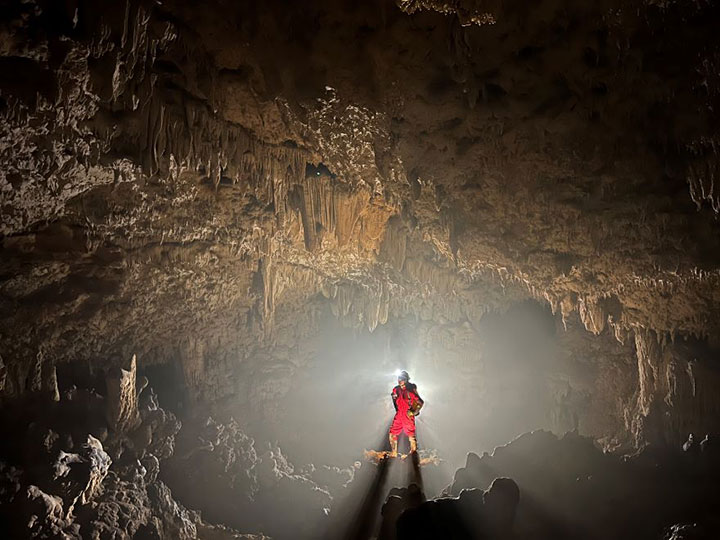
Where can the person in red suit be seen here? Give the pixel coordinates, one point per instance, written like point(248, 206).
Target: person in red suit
point(407, 404)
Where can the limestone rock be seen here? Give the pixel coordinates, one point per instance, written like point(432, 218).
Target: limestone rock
point(122, 407)
point(215, 187)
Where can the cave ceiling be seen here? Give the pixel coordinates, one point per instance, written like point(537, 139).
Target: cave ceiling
point(176, 176)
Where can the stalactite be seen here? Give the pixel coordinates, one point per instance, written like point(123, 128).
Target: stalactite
point(592, 315)
point(620, 331)
point(567, 306)
point(648, 358)
point(197, 139)
point(393, 249)
point(478, 13)
point(337, 213)
point(672, 399)
point(703, 173)
point(144, 88)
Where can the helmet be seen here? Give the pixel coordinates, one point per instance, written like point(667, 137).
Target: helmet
point(403, 375)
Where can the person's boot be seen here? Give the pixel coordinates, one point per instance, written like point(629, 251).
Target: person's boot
point(413, 444)
point(393, 445)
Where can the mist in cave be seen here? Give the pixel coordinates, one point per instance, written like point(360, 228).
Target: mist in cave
point(477, 398)
point(227, 229)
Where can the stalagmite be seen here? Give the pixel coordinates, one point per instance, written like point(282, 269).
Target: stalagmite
point(50, 383)
point(122, 409)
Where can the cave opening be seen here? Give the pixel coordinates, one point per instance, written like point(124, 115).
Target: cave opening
point(379, 270)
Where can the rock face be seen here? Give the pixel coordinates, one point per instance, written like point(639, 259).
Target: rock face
point(212, 188)
point(171, 188)
point(218, 470)
point(570, 489)
point(122, 411)
point(162, 179)
point(58, 480)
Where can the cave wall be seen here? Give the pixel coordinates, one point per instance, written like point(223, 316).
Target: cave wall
point(170, 189)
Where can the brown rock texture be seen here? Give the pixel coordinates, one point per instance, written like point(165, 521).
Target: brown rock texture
point(122, 411)
point(208, 189)
point(169, 187)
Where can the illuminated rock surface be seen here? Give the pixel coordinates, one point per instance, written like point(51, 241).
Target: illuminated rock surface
point(271, 207)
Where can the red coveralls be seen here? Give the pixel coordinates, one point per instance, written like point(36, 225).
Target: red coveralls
point(404, 400)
